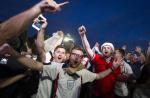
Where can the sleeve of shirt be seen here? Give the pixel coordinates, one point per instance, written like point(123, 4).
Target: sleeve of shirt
point(129, 69)
point(51, 71)
point(48, 57)
point(86, 75)
point(96, 57)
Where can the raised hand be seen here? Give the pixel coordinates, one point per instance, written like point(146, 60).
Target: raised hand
point(61, 33)
point(117, 63)
point(96, 44)
point(84, 61)
point(51, 5)
point(81, 30)
point(44, 23)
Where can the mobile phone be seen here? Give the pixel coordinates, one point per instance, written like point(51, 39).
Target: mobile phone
point(37, 25)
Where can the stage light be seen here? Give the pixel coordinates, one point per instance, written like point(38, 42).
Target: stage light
point(68, 38)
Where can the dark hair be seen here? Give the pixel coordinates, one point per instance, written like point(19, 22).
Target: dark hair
point(121, 51)
point(76, 47)
point(59, 46)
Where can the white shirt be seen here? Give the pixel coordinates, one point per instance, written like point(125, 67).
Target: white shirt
point(68, 87)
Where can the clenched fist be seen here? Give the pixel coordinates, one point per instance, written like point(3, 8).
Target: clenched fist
point(81, 30)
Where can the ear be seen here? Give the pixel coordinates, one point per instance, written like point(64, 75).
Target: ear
point(65, 57)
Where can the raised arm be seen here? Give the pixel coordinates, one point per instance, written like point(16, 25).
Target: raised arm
point(85, 42)
point(17, 24)
point(40, 41)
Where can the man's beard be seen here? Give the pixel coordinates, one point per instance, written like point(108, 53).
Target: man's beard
point(74, 63)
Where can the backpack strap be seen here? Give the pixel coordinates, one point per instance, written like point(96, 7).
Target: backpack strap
point(54, 87)
point(81, 83)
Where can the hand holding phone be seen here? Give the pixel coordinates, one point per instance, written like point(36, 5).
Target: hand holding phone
point(37, 24)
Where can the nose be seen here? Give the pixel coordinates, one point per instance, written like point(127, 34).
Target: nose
point(60, 55)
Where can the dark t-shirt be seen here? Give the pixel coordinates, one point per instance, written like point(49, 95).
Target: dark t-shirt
point(21, 89)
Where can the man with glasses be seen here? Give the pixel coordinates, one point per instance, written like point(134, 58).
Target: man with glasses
point(68, 86)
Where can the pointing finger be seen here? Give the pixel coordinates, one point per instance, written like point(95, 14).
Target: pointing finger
point(61, 4)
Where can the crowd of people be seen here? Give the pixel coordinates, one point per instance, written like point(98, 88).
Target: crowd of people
point(58, 69)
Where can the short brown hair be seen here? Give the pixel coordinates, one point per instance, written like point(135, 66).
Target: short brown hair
point(121, 51)
point(59, 46)
point(76, 47)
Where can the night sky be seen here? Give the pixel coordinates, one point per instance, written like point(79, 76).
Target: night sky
point(116, 21)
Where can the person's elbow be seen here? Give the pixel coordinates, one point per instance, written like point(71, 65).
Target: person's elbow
point(38, 67)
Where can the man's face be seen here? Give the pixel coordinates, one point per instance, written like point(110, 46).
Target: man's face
point(75, 57)
point(128, 56)
point(107, 51)
point(59, 55)
point(118, 55)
